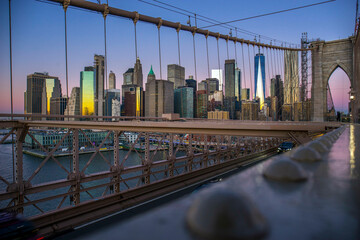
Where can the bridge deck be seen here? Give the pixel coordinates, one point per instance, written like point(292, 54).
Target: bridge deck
point(326, 206)
point(243, 128)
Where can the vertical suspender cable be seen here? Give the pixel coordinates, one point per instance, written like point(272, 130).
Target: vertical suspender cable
point(275, 62)
point(218, 53)
point(269, 61)
point(11, 80)
point(207, 53)
point(178, 38)
point(193, 33)
point(11, 92)
point(272, 62)
point(106, 11)
point(227, 48)
point(158, 26)
point(251, 88)
point(243, 62)
point(136, 54)
point(236, 60)
point(65, 5)
point(268, 72)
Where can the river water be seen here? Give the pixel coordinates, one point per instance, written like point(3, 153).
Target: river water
point(51, 172)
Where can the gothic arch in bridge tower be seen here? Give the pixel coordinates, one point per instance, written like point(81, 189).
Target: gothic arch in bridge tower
point(326, 58)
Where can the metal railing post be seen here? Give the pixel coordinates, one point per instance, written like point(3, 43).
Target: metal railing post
point(19, 181)
point(171, 157)
point(218, 149)
point(190, 154)
point(75, 167)
point(147, 163)
point(116, 178)
point(206, 152)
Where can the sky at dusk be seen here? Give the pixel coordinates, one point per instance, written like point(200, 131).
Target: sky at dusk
point(38, 40)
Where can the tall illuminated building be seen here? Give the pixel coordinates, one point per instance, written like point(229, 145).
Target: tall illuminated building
point(40, 87)
point(218, 73)
point(53, 90)
point(260, 78)
point(87, 91)
point(99, 85)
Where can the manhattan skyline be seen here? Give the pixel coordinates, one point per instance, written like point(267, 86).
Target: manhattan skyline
point(38, 39)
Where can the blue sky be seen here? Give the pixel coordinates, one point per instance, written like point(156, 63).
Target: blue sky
point(38, 37)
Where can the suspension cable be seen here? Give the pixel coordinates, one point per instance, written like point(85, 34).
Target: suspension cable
point(268, 72)
point(243, 62)
point(276, 61)
point(207, 55)
point(255, 73)
point(274, 65)
point(218, 53)
point(278, 55)
point(236, 61)
point(135, 21)
point(106, 11)
point(227, 48)
point(65, 6)
point(178, 38)
point(11, 93)
point(251, 88)
point(193, 33)
point(158, 26)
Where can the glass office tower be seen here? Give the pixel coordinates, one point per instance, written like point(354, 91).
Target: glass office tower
point(53, 89)
point(260, 78)
point(87, 91)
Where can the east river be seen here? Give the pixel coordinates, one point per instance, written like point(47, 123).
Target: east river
point(51, 172)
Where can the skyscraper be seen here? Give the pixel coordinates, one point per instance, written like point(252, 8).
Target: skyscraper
point(237, 91)
point(40, 87)
point(112, 80)
point(111, 94)
point(138, 75)
point(260, 78)
point(87, 91)
point(184, 102)
point(53, 89)
point(230, 78)
point(128, 77)
point(277, 97)
point(218, 73)
point(212, 85)
point(232, 88)
point(151, 75)
point(99, 85)
point(201, 104)
point(291, 78)
point(73, 106)
point(245, 94)
point(58, 106)
point(159, 96)
point(176, 74)
point(192, 84)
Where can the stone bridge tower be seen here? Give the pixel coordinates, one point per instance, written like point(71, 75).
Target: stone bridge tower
point(326, 57)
